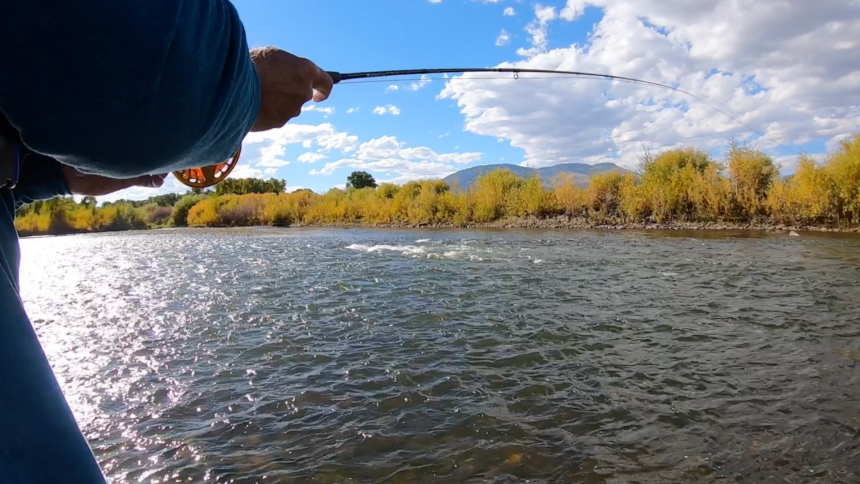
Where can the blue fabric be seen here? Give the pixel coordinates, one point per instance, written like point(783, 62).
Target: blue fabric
point(127, 87)
point(119, 88)
point(41, 178)
point(40, 441)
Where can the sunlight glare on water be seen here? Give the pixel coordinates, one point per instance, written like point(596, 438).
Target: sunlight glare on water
point(329, 356)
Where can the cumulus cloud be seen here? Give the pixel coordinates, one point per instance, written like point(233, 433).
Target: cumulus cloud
point(246, 171)
point(503, 39)
point(326, 111)
point(538, 30)
point(421, 83)
point(393, 87)
point(509, 12)
point(311, 157)
point(388, 155)
point(384, 155)
point(390, 109)
point(791, 72)
point(271, 156)
point(271, 145)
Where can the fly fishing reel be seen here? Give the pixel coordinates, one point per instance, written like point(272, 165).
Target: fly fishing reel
point(208, 176)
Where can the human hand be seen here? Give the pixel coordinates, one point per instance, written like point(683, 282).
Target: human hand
point(287, 83)
point(97, 185)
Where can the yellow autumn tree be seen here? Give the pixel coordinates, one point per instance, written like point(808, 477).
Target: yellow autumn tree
point(751, 173)
point(671, 182)
point(806, 197)
point(843, 166)
point(569, 195)
point(603, 195)
point(489, 192)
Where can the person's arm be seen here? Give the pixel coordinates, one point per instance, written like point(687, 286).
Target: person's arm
point(127, 88)
point(43, 178)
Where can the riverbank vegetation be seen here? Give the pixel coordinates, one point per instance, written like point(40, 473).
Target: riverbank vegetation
point(675, 186)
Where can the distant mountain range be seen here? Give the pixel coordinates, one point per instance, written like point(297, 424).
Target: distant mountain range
point(581, 172)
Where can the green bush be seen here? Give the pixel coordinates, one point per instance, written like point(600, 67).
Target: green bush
point(182, 207)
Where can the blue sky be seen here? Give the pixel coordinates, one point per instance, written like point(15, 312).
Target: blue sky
point(394, 34)
point(800, 84)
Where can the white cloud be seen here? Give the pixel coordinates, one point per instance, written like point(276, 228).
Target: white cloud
point(270, 156)
point(293, 188)
point(244, 170)
point(435, 1)
point(311, 157)
point(270, 171)
point(393, 87)
point(545, 14)
point(790, 71)
point(324, 136)
point(326, 111)
point(336, 141)
point(509, 12)
point(503, 39)
point(538, 29)
point(292, 133)
point(390, 109)
point(421, 83)
point(351, 110)
point(388, 155)
point(273, 163)
point(383, 147)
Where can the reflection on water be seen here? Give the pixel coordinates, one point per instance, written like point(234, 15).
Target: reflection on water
point(330, 356)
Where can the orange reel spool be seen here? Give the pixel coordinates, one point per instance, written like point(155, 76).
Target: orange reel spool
point(207, 176)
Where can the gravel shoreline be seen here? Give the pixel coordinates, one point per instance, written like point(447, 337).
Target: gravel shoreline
point(564, 222)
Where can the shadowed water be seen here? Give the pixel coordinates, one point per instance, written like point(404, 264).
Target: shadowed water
point(373, 356)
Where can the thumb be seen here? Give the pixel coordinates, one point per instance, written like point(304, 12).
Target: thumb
point(147, 181)
point(102, 186)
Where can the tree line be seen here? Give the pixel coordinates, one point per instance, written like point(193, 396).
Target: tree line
point(677, 185)
point(63, 215)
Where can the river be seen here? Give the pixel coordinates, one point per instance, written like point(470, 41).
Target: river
point(420, 356)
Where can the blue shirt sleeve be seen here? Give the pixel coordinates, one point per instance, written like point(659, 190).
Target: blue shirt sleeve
point(41, 179)
point(127, 88)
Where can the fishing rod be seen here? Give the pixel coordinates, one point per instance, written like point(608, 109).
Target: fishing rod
point(337, 77)
point(208, 176)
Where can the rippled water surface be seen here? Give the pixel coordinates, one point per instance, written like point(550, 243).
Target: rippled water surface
point(362, 356)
